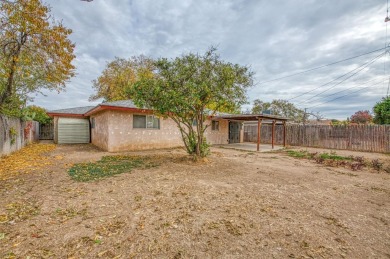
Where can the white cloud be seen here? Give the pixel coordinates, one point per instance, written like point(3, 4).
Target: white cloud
point(275, 38)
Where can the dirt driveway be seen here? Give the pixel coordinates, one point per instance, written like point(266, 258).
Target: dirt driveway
point(235, 204)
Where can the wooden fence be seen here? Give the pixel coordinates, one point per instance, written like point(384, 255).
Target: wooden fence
point(372, 138)
point(46, 131)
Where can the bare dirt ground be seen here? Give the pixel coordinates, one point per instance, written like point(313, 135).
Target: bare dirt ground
point(235, 204)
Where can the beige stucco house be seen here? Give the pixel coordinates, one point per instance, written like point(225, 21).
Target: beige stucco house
point(121, 126)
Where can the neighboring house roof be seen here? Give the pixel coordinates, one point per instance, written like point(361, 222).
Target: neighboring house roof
point(125, 105)
point(76, 111)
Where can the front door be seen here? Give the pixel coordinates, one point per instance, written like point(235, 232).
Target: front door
point(234, 132)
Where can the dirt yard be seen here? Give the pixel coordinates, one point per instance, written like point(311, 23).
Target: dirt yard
point(235, 204)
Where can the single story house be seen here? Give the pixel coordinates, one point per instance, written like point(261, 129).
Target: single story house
point(122, 126)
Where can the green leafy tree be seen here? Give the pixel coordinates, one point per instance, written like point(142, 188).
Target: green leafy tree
point(36, 113)
point(340, 122)
point(119, 76)
point(189, 88)
point(259, 106)
point(382, 111)
point(279, 107)
point(36, 53)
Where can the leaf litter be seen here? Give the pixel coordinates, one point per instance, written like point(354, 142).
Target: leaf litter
point(29, 159)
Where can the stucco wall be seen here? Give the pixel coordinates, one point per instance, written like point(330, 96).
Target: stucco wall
point(123, 137)
point(220, 136)
point(100, 132)
point(15, 134)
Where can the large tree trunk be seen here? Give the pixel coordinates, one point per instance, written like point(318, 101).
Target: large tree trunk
point(10, 80)
point(200, 132)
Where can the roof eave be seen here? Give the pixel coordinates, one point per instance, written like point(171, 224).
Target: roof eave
point(53, 114)
point(116, 108)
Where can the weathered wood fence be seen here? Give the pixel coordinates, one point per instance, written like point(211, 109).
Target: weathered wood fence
point(46, 131)
point(372, 138)
point(15, 133)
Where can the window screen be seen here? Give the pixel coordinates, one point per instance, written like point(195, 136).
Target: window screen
point(152, 122)
point(139, 121)
point(215, 125)
point(146, 122)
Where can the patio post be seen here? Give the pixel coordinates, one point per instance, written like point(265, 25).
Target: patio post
point(273, 133)
point(258, 133)
point(284, 134)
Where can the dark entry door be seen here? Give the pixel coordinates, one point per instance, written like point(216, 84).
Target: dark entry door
point(234, 132)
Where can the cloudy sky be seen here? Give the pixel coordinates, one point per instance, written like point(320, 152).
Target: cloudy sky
point(274, 38)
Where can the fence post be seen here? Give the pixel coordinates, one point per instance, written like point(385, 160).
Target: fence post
point(258, 133)
point(273, 133)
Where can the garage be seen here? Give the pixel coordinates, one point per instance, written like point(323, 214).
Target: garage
point(73, 130)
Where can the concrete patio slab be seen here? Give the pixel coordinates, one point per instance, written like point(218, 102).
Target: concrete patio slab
point(248, 146)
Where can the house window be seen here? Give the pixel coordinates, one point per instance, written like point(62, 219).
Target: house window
point(146, 122)
point(92, 123)
point(214, 125)
point(195, 122)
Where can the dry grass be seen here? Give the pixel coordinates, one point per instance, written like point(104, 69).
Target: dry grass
point(232, 205)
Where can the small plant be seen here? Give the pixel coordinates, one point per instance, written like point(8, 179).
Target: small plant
point(312, 155)
point(359, 159)
point(356, 166)
point(332, 159)
point(319, 159)
point(297, 154)
point(13, 134)
point(333, 156)
point(376, 164)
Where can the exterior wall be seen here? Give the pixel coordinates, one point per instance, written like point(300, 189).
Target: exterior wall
point(100, 132)
point(119, 135)
point(122, 136)
point(15, 134)
point(220, 136)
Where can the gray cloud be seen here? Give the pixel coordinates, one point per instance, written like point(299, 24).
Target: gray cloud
point(274, 38)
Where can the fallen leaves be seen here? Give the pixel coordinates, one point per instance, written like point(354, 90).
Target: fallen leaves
point(27, 160)
point(19, 211)
point(63, 215)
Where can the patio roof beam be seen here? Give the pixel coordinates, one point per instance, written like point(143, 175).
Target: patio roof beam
point(284, 134)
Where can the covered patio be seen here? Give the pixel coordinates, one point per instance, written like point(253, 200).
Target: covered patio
point(260, 119)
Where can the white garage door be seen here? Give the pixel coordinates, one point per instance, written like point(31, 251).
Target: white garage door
point(73, 130)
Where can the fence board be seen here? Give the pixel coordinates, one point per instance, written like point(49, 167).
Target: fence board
point(46, 131)
point(372, 138)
